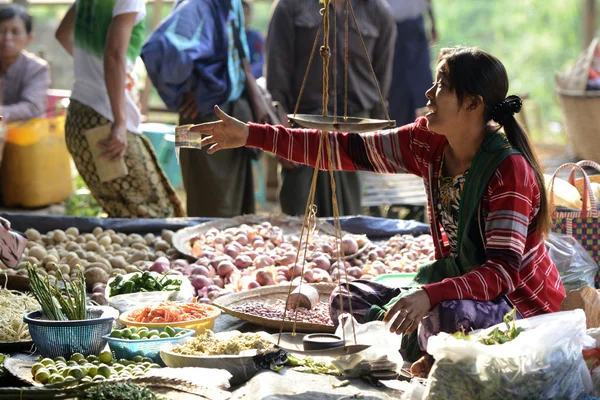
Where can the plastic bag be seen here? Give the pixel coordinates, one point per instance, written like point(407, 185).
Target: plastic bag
point(576, 266)
point(126, 302)
point(544, 362)
point(384, 350)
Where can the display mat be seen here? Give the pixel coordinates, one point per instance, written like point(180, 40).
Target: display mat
point(269, 295)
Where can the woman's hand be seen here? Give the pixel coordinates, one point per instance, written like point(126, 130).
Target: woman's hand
point(115, 147)
point(228, 133)
point(409, 311)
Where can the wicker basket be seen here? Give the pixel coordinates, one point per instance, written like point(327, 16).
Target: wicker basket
point(581, 115)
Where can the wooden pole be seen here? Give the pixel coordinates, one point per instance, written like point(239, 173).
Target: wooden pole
point(145, 95)
point(589, 22)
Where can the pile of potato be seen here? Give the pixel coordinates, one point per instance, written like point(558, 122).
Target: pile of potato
point(101, 254)
point(229, 260)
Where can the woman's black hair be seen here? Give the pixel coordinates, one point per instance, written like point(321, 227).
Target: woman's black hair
point(473, 72)
point(17, 11)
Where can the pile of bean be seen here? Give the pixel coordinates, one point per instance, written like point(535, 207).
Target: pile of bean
point(318, 315)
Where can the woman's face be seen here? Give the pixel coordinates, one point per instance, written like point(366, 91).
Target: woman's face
point(13, 37)
point(444, 111)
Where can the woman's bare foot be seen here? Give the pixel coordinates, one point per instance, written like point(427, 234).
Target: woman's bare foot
point(422, 366)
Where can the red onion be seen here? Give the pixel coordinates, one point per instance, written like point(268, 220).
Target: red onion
point(252, 285)
point(224, 268)
point(263, 261)
point(231, 251)
point(264, 278)
point(217, 281)
point(200, 270)
point(349, 245)
point(200, 281)
point(180, 263)
point(243, 261)
point(288, 258)
point(322, 262)
point(294, 271)
point(242, 239)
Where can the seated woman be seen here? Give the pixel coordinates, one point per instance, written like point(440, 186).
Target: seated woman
point(487, 204)
point(25, 78)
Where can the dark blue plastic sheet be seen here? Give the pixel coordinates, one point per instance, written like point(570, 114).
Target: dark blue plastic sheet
point(371, 226)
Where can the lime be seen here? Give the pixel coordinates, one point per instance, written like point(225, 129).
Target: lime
point(143, 334)
point(148, 360)
point(92, 371)
point(47, 361)
point(153, 337)
point(116, 334)
point(57, 359)
point(91, 358)
point(104, 371)
point(143, 329)
point(60, 365)
point(153, 332)
point(137, 372)
point(164, 335)
point(105, 357)
point(52, 370)
point(138, 359)
point(82, 362)
point(154, 366)
point(42, 376)
point(133, 330)
point(36, 367)
point(125, 333)
point(56, 378)
point(86, 379)
point(71, 363)
point(118, 367)
point(134, 336)
point(76, 373)
point(70, 381)
point(178, 334)
point(98, 378)
point(77, 357)
point(124, 374)
point(170, 331)
point(84, 371)
point(65, 372)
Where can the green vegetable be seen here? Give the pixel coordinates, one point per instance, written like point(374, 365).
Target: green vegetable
point(121, 391)
point(309, 365)
point(59, 306)
point(497, 336)
point(143, 282)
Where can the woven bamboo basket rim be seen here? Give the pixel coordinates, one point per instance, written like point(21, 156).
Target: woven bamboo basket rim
point(272, 294)
point(289, 225)
point(21, 369)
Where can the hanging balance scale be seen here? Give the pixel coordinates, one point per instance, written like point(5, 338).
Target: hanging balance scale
point(327, 344)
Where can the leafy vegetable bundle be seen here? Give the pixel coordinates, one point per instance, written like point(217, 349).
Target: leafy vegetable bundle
point(143, 282)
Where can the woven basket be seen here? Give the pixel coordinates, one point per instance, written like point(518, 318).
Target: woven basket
point(581, 115)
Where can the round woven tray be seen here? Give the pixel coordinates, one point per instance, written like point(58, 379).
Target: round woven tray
point(198, 383)
point(269, 295)
point(289, 226)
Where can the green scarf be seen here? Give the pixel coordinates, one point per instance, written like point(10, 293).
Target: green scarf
point(470, 243)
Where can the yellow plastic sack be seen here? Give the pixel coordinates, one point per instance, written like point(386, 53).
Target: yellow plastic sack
point(36, 167)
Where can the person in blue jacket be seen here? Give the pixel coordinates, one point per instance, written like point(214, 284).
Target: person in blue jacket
point(255, 42)
point(192, 60)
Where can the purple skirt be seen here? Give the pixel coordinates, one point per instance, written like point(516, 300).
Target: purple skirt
point(448, 316)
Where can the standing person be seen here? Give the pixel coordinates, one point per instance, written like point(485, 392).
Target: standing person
point(255, 42)
point(104, 38)
point(292, 30)
point(192, 60)
point(25, 78)
point(412, 70)
point(487, 204)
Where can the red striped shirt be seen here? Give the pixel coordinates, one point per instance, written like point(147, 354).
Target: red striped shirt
point(517, 265)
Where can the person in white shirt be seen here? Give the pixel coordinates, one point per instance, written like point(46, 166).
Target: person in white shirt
point(105, 38)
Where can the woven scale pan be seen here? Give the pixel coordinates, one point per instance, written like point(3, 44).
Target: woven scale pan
point(195, 383)
point(269, 295)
